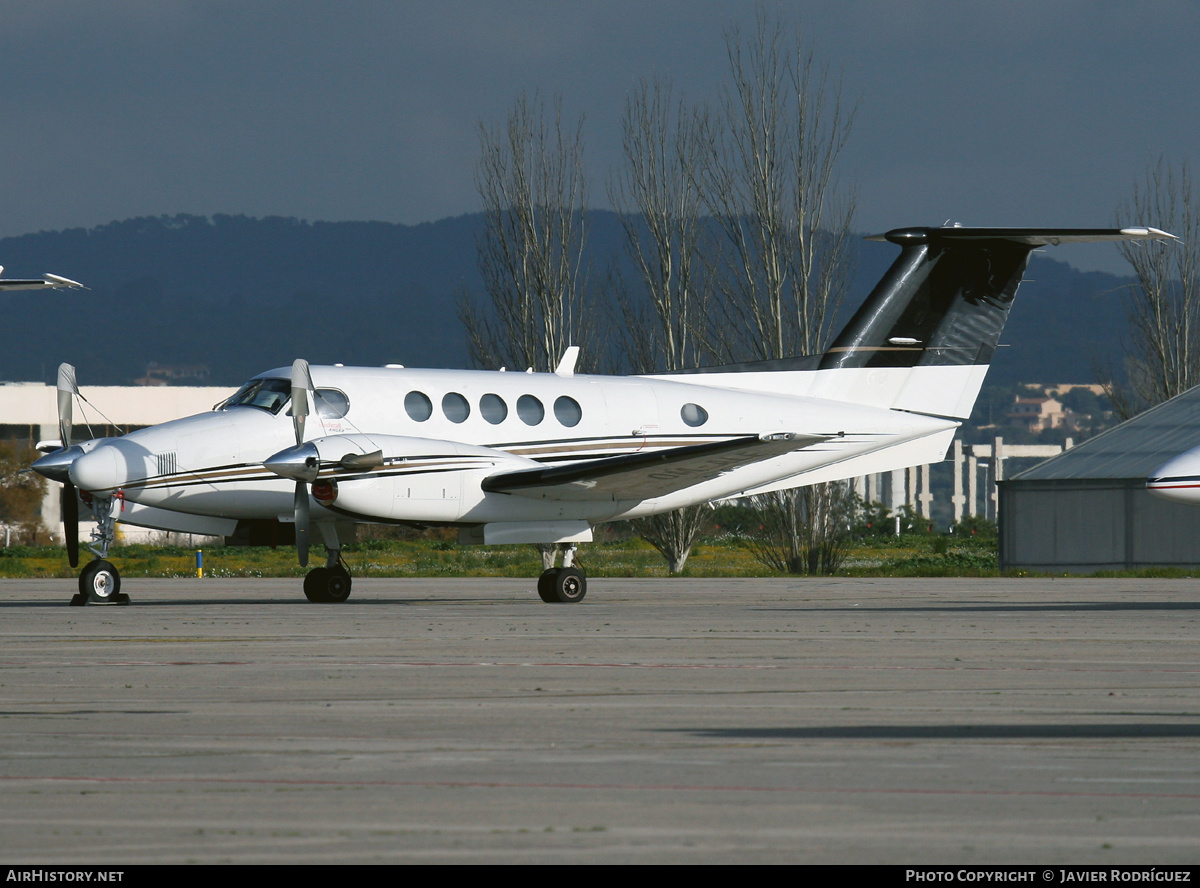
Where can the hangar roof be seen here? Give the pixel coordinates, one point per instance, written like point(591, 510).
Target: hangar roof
point(1134, 449)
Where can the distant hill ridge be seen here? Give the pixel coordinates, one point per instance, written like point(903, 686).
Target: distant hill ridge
point(243, 295)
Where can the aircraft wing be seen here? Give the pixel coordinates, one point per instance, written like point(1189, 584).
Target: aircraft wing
point(640, 476)
point(48, 281)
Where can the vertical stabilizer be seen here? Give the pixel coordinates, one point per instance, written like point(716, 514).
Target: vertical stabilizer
point(941, 307)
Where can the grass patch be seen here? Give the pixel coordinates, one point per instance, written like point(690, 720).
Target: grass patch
point(719, 556)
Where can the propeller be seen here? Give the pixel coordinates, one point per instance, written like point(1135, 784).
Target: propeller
point(68, 388)
point(301, 388)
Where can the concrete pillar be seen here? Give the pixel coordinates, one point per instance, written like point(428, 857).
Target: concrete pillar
point(925, 499)
point(897, 489)
point(998, 476)
point(972, 486)
point(958, 500)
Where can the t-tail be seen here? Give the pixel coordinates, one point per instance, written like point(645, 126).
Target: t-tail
point(937, 315)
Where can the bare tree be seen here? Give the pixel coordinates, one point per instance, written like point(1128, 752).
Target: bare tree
point(783, 265)
point(805, 531)
point(1164, 303)
point(531, 180)
point(785, 224)
point(657, 194)
point(532, 183)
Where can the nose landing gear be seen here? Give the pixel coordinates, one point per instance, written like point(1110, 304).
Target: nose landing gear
point(99, 581)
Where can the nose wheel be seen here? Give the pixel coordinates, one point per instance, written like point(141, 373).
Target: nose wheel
point(99, 583)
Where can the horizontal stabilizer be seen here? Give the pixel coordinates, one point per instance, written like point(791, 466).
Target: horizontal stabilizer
point(642, 476)
point(1034, 237)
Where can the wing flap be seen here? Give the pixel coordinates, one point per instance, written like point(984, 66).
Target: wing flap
point(641, 476)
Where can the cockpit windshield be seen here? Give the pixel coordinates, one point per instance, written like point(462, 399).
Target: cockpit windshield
point(266, 394)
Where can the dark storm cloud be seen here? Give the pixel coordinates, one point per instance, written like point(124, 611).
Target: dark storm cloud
point(990, 113)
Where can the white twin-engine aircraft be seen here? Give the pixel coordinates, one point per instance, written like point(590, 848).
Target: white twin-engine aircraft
point(544, 457)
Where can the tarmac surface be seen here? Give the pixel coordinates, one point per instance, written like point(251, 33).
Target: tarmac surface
point(1012, 721)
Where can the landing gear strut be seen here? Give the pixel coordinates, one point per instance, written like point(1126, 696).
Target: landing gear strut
point(563, 585)
point(329, 584)
point(99, 581)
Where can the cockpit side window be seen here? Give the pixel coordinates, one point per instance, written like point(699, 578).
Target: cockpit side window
point(331, 403)
point(266, 394)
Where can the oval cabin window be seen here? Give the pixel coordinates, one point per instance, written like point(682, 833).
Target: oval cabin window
point(493, 408)
point(418, 406)
point(530, 410)
point(694, 415)
point(455, 407)
point(567, 411)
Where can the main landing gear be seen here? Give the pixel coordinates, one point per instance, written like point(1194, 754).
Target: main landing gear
point(329, 584)
point(99, 581)
point(563, 585)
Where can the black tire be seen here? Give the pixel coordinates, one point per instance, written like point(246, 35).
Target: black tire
point(100, 581)
point(569, 586)
point(545, 585)
point(316, 585)
point(337, 585)
point(85, 579)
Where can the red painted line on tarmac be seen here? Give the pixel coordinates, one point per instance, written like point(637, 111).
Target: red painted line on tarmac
point(353, 664)
point(623, 787)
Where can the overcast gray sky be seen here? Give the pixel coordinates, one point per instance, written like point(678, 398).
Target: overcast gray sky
point(989, 113)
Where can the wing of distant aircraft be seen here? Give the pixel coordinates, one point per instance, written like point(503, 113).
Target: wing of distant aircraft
point(45, 282)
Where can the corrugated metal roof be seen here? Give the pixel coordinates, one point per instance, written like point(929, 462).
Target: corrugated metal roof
point(1134, 449)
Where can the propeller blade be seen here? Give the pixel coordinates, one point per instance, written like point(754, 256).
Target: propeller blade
point(302, 523)
point(70, 517)
point(68, 388)
point(301, 387)
point(362, 460)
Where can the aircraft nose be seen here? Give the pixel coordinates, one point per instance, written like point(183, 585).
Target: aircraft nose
point(102, 469)
point(1178, 479)
point(57, 465)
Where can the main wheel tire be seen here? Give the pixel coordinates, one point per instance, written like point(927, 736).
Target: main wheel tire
point(316, 585)
point(545, 585)
point(337, 585)
point(100, 581)
point(569, 586)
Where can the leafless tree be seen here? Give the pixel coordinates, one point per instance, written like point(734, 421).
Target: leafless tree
point(657, 194)
point(1164, 302)
point(783, 265)
point(805, 531)
point(531, 180)
point(785, 223)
